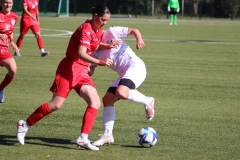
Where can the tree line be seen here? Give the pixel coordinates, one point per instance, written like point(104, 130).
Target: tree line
point(207, 8)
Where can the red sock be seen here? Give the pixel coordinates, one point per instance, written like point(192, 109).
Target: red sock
point(6, 81)
point(19, 42)
point(40, 43)
point(89, 119)
point(38, 114)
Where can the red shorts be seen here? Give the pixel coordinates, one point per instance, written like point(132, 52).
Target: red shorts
point(5, 55)
point(26, 24)
point(70, 75)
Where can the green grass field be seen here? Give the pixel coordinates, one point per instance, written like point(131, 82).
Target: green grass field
point(193, 73)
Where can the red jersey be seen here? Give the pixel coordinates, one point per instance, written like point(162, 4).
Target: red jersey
point(7, 23)
point(32, 7)
point(84, 36)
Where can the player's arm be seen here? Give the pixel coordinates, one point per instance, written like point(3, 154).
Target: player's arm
point(103, 45)
point(37, 15)
point(82, 54)
point(14, 46)
point(28, 13)
point(135, 32)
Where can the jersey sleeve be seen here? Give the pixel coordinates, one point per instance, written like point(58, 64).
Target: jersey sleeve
point(24, 3)
point(85, 39)
point(119, 32)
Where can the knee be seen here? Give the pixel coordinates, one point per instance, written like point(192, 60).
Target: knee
point(37, 35)
point(54, 106)
point(21, 36)
point(12, 72)
point(121, 94)
point(106, 101)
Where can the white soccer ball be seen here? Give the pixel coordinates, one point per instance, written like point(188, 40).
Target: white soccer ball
point(147, 137)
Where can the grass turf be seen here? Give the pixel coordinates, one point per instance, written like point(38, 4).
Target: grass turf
point(193, 73)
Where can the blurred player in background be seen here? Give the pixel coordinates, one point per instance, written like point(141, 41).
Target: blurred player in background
point(8, 20)
point(173, 8)
point(131, 71)
point(30, 19)
point(72, 73)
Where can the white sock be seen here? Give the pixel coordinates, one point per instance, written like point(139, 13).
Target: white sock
point(84, 136)
point(137, 97)
point(108, 117)
point(42, 50)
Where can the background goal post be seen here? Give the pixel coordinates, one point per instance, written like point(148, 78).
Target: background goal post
point(63, 8)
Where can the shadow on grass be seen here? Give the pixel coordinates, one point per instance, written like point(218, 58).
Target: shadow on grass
point(132, 146)
point(8, 140)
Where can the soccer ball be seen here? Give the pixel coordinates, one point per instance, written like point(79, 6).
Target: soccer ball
point(147, 137)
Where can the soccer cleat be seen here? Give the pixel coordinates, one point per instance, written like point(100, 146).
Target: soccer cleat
point(150, 108)
point(81, 143)
point(17, 53)
point(43, 54)
point(1, 96)
point(22, 129)
point(105, 139)
point(175, 24)
point(170, 24)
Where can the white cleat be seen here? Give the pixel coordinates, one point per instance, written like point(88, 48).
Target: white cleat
point(17, 53)
point(86, 144)
point(105, 139)
point(149, 109)
point(170, 24)
point(22, 129)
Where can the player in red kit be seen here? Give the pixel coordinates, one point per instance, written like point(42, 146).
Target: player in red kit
point(72, 73)
point(8, 20)
point(30, 19)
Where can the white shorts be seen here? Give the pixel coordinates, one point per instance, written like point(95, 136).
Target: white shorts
point(136, 73)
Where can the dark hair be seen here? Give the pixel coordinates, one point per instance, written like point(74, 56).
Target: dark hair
point(100, 10)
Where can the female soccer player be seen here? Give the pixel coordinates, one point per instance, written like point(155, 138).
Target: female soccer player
point(173, 8)
point(131, 71)
point(8, 20)
point(30, 19)
point(72, 73)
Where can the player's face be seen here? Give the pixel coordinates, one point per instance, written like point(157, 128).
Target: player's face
point(7, 5)
point(101, 21)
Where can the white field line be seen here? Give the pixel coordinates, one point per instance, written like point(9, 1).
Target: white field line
point(62, 33)
point(65, 33)
point(186, 41)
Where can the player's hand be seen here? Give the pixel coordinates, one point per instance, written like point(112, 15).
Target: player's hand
point(107, 62)
point(178, 9)
point(140, 44)
point(115, 43)
point(168, 9)
point(14, 46)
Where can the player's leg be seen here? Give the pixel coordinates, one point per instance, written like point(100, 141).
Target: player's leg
point(132, 79)
point(108, 117)
point(175, 16)
point(89, 93)
point(24, 27)
point(11, 66)
point(42, 111)
point(36, 31)
point(171, 16)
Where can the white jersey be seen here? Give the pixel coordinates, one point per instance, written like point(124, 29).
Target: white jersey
point(122, 55)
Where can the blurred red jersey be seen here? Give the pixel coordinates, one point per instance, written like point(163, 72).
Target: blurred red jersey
point(7, 23)
point(32, 7)
point(84, 36)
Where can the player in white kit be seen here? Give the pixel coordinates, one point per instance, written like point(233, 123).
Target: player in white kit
point(131, 71)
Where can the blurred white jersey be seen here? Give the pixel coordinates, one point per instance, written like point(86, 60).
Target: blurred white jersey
point(122, 55)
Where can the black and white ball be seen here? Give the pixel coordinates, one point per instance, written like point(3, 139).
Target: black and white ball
point(147, 137)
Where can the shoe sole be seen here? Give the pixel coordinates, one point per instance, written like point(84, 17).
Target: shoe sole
point(79, 146)
point(109, 143)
